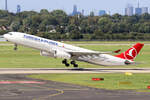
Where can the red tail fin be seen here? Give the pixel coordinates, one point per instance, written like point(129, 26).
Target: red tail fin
point(131, 53)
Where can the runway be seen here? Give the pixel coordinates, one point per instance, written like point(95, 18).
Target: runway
point(71, 70)
point(49, 90)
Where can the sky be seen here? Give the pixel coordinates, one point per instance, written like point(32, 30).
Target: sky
point(112, 6)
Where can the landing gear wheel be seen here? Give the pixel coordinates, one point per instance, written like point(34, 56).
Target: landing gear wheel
point(64, 61)
point(15, 48)
point(67, 65)
point(74, 64)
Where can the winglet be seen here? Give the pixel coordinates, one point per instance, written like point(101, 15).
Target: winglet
point(117, 51)
point(131, 53)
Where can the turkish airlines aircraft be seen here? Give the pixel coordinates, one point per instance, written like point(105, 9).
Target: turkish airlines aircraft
point(55, 49)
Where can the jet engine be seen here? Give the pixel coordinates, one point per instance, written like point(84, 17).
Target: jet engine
point(56, 54)
point(62, 54)
point(47, 54)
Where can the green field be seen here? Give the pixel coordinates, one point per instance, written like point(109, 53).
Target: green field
point(30, 58)
point(137, 82)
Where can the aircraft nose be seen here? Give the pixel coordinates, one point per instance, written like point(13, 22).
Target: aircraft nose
point(5, 36)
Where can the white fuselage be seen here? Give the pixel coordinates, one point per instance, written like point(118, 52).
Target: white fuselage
point(50, 47)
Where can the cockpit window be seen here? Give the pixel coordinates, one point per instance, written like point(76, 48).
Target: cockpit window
point(10, 33)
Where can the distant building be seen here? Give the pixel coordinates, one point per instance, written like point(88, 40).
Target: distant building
point(102, 12)
point(6, 7)
point(53, 31)
point(75, 11)
point(92, 13)
point(129, 10)
point(138, 11)
point(82, 12)
point(18, 8)
point(144, 10)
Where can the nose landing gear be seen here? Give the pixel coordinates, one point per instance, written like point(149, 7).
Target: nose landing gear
point(15, 48)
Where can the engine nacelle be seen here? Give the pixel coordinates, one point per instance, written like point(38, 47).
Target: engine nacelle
point(56, 54)
point(62, 54)
point(47, 54)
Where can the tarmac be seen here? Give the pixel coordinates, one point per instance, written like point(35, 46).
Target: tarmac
point(71, 70)
point(14, 85)
point(49, 90)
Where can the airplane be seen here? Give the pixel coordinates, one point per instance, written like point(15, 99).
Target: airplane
point(51, 48)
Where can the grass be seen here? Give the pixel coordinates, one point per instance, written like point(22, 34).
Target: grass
point(30, 58)
point(4, 42)
point(23, 58)
point(137, 82)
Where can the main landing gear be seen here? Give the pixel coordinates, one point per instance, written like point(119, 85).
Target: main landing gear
point(65, 62)
point(72, 63)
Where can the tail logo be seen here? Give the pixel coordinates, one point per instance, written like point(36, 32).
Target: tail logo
point(131, 54)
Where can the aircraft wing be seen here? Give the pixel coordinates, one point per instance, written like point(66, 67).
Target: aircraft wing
point(76, 53)
point(90, 57)
point(85, 55)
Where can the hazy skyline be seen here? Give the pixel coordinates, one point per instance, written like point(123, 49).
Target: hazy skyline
point(114, 6)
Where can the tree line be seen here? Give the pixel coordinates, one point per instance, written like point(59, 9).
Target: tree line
point(58, 25)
